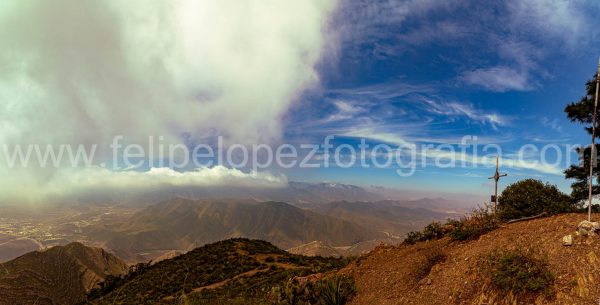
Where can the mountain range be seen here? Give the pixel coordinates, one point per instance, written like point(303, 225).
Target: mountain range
point(291, 192)
point(390, 217)
point(314, 213)
point(243, 271)
point(183, 224)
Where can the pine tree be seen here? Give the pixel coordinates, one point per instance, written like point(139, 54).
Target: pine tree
point(583, 112)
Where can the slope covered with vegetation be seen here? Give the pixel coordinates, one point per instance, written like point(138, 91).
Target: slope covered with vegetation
point(234, 271)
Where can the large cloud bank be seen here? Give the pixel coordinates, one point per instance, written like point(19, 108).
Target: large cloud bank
point(82, 72)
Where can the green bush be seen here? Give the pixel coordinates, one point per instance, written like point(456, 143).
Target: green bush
point(531, 197)
point(413, 237)
point(479, 222)
point(336, 291)
point(433, 231)
point(519, 271)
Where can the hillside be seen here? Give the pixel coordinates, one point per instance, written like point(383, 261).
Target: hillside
point(182, 224)
point(384, 216)
point(234, 271)
point(318, 248)
point(400, 275)
point(59, 275)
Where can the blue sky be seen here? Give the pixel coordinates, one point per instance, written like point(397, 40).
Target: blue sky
point(434, 71)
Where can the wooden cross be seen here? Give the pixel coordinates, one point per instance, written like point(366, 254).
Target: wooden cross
point(496, 177)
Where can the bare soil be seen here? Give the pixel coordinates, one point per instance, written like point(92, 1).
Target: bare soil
point(390, 274)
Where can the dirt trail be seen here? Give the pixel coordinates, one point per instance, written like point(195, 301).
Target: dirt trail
point(388, 274)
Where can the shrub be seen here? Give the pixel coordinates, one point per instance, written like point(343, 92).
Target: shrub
point(531, 197)
point(336, 290)
point(433, 231)
point(413, 237)
point(519, 271)
point(479, 222)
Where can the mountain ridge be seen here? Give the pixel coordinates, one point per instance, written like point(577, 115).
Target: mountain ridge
point(183, 224)
point(232, 271)
point(292, 192)
point(58, 275)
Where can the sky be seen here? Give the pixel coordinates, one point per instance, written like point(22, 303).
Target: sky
point(400, 73)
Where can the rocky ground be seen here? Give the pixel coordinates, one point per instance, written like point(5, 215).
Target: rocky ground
point(401, 275)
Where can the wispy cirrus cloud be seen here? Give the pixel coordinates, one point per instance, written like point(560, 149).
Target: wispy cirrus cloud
point(535, 30)
point(520, 163)
point(373, 134)
point(382, 91)
point(345, 110)
point(362, 17)
point(455, 157)
point(568, 21)
point(517, 70)
point(400, 112)
point(453, 109)
point(499, 78)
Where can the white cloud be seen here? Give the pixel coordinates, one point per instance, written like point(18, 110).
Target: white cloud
point(383, 91)
point(451, 109)
point(555, 19)
point(370, 133)
point(534, 30)
point(436, 32)
point(554, 124)
point(361, 17)
point(444, 154)
point(347, 107)
point(490, 161)
point(345, 111)
point(81, 72)
point(499, 79)
point(69, 183)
